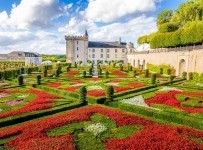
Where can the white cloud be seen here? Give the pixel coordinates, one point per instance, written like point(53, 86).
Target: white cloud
point(128, 31)
point(32, 13)
point(107, 11)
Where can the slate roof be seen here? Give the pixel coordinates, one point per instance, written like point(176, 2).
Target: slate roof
point(92, 44)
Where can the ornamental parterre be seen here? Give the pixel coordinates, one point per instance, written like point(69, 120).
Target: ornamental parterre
point(42, 101)
point(33, 135)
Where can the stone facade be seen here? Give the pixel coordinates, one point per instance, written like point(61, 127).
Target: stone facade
point(189, 59)
point(20, 56)
point(79, 48)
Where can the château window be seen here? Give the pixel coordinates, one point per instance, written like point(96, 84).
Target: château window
point(77, 42)
point(123, 50)
point(101, 55)
point(93, 55)
point(77, 56)
point(93, 50)
point(107, 50)
point(108, 56)
point(77, 48)
point(115, 50)
point(102, 50)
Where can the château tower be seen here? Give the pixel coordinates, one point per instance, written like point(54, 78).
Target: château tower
point(76, 48)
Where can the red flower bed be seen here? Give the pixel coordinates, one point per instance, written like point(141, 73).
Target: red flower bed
point(54, 85)
point(152, 136)
point(77, 81)
point(94, 79)
point(71, 74)
point(136, 85)
point(72, 88)
point(119, 74)
point(43, 101)
point(170, 100)
point(121, 89)
point(200, 94)
point(96, 93)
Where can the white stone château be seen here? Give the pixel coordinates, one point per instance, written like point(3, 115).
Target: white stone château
point(29, 58)
point(79, 48)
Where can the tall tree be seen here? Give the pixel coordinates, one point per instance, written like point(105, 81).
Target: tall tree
point(164, 17)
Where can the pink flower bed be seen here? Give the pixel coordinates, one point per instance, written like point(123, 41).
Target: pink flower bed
point(14, 102)
point(41, 102)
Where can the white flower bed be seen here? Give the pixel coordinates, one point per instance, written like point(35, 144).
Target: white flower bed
point(94, 88)
point(138, 100)
point(113, 83)
point(79, 84)
point(1, 110)
point(22, 96)
point(96, 128)
point(166, 88)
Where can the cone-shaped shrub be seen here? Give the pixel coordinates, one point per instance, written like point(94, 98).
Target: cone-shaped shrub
point(153, 78)
point(39, 79)
point(82, 94)
point(184, 75)
point(20, 80)
point(109, 94)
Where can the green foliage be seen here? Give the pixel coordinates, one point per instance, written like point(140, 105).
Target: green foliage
point(121, 67)
point(45, 72)
point(161, 71)
point(153, 78)
point(67, 68)
point(54, 58)
point(20, 80)
point(146, 38)
point(164, 17)
point(90, 71)
point(134, 73)
point(158, 68)
point(109, 94)
point(168, 27)
point(82, 94)
point(84, 74)
point(106, 74)
point(190, 76)
point(146, 73)
point(171, 78)
point(39, 79)
point(184, 75)
point(22, 70)
point(168, 71)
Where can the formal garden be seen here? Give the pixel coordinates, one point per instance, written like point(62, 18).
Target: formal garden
point(113, 106)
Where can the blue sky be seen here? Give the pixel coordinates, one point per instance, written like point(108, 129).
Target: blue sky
point(40, 25)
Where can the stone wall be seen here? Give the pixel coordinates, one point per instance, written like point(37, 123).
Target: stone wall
point(189, 59)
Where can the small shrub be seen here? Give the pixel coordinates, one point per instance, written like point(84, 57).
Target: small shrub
point(121, 67)
point(190, 76)
point(68, 69)
point(184, 75)
point(90, 71)
point(161, 71)
point(45, 72)
point(106, 74)
point(134, 73)
point(171, 78)
point(84, 74)
point(39, 79)
point(20, 80)
point(146, 73)
point(169, 71)
point(153, 78)
point(83, 94)
point(109, 94)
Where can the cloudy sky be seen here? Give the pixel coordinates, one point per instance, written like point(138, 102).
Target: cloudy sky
point(40, 25)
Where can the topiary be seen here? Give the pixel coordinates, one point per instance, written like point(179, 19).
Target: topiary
point(171, 78)
point(84, 74)
point(45, 72)
point(106, 74)
point(161, 71)
point(109, 94)
point(168, 71)
point(82, 94)
point(68, 68)
point(121, 67)
point(20, 80)
point(153, 78)
point(184, 75)
point(134, 73)
point(90, 71)
point(146, 73)
point(190, 76)
point(39, 79)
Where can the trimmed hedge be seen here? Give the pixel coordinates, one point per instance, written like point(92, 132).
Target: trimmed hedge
point(168, 116)
point(190, 35)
